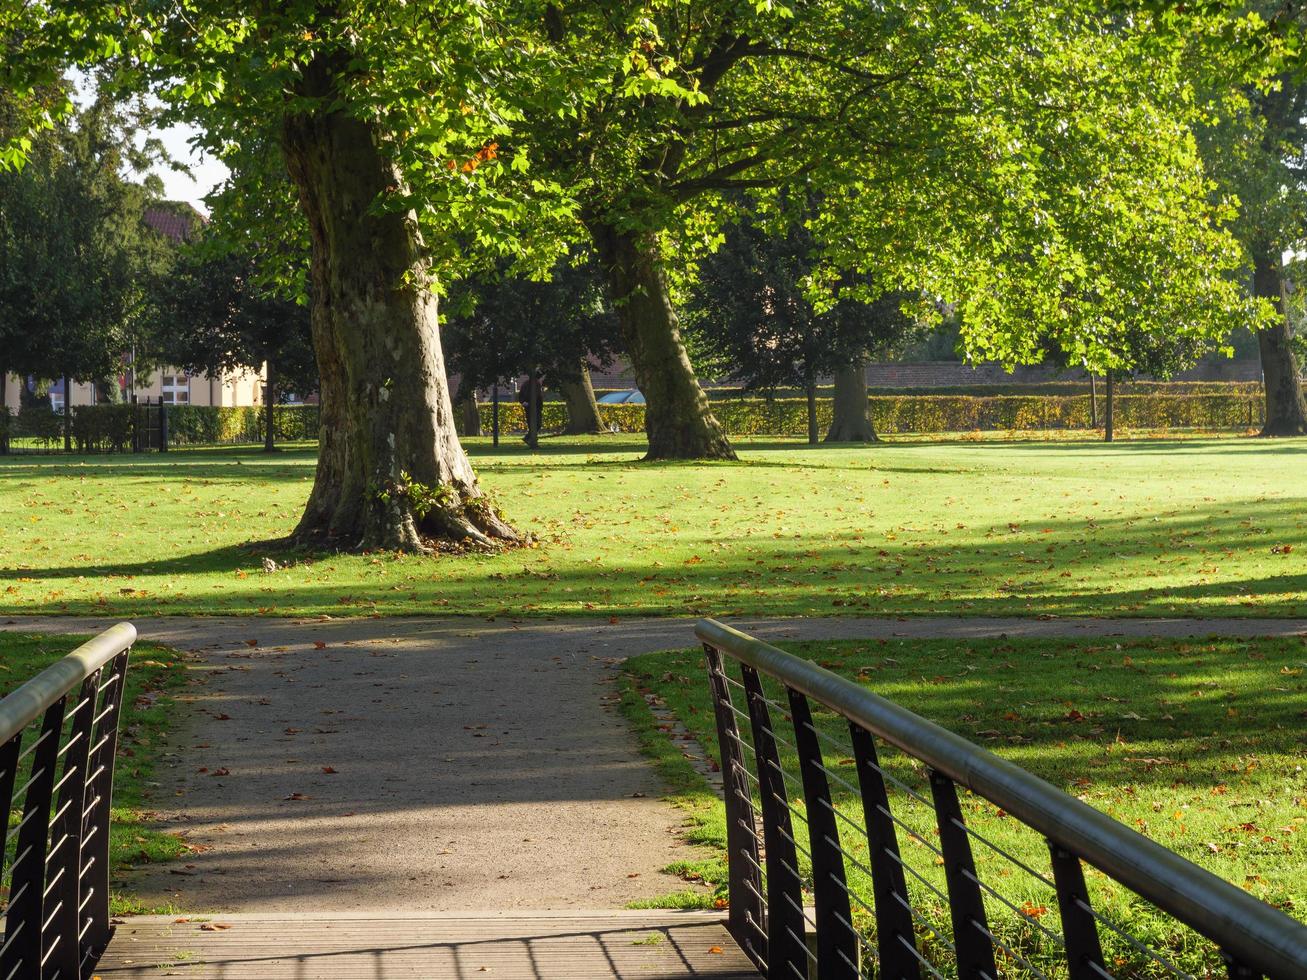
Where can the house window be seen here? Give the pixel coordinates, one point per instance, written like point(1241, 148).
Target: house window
point(176, 389)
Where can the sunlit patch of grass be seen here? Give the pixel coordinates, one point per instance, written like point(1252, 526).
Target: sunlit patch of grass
point(1201, 526)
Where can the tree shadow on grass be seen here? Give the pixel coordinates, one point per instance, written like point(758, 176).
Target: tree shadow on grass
point(1069, 567)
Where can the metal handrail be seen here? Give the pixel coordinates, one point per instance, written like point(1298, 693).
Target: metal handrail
point(1257, 935)
point(58, 740)
point(25, 704)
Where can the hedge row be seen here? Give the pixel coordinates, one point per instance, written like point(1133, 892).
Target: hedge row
point(195, 425)
point(937, 413)
point(1072, 387)
point(112, 428)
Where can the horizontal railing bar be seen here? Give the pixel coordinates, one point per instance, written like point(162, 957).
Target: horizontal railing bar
point(1141, 947)
point(105, 709)
point(912, 948)
point(77, 737)
point(998, 850)
point(1024, 916)
point(1259, 934)
point(26, 704)
point(47, 733)
point(1008, 949)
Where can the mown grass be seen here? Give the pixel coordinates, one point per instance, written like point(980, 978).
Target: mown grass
point(153, 674)
point(1200, 745)
point(1214, 527)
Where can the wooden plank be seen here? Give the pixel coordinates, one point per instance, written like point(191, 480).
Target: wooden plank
point(653, 945)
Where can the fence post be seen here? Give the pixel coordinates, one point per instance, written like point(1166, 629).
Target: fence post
point(163, 426)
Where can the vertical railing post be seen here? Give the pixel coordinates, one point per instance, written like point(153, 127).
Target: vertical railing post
point(26, 913)
point(8, 775)
point(95, 847)
point(746, 916)
point(163, 426)
point(975, 950)
point(837, 939)
point(64, 860)
point(1084, 951)
point(895, 940)
point(787, 948)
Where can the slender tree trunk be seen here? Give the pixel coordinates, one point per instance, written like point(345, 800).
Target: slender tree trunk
point(851, 421)
point(68, 414)
point(391, 472)
point(1093, 401)
point(466, 404)
point(270, 399)
point(1109, 420)
point(810, 390)
point(4, 411)
point(582, 409)
point(1286, 410)
point(678, 420)
point(533, 396)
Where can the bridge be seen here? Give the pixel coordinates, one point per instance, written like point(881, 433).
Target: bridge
point(850, 852)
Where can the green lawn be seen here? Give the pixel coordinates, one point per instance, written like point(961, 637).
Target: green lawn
point(1213, 527)
point(153, 672)
point(1200, 745)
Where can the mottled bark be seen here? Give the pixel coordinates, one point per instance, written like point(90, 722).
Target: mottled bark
point(582, 409)
point(851, 421)
point(1286, 410)
point(391, 472)
point(678, 420)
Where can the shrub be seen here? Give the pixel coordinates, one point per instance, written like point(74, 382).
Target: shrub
point(941, 413)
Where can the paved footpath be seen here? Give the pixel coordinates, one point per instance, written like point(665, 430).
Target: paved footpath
point(441, 764)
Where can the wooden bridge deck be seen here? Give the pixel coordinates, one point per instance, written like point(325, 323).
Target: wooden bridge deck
point(649, 945)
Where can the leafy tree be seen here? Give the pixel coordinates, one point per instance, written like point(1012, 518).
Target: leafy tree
point(211, 315)
point(1003, 154)
point(549, 328)
point(74, 249)
point(389, 120)
point(760, 298)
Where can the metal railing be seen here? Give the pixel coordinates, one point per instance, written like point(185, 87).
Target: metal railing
point(58, 737)
point(836, 903)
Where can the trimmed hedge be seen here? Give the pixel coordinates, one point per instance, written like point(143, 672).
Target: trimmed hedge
point(198, 425)
point(112, 428)
point(938, 413)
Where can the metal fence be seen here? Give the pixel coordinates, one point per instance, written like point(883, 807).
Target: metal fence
point(58, 736)
point(845, 900)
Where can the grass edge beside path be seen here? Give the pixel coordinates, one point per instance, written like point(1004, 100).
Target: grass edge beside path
point(154, 674)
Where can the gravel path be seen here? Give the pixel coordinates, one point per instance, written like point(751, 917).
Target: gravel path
point(438, 764)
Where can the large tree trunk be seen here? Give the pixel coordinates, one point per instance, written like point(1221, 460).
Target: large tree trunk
point(391, 472)
point(851, 421)
point(677, 419)
point(1286, 410)
point(582, 409)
